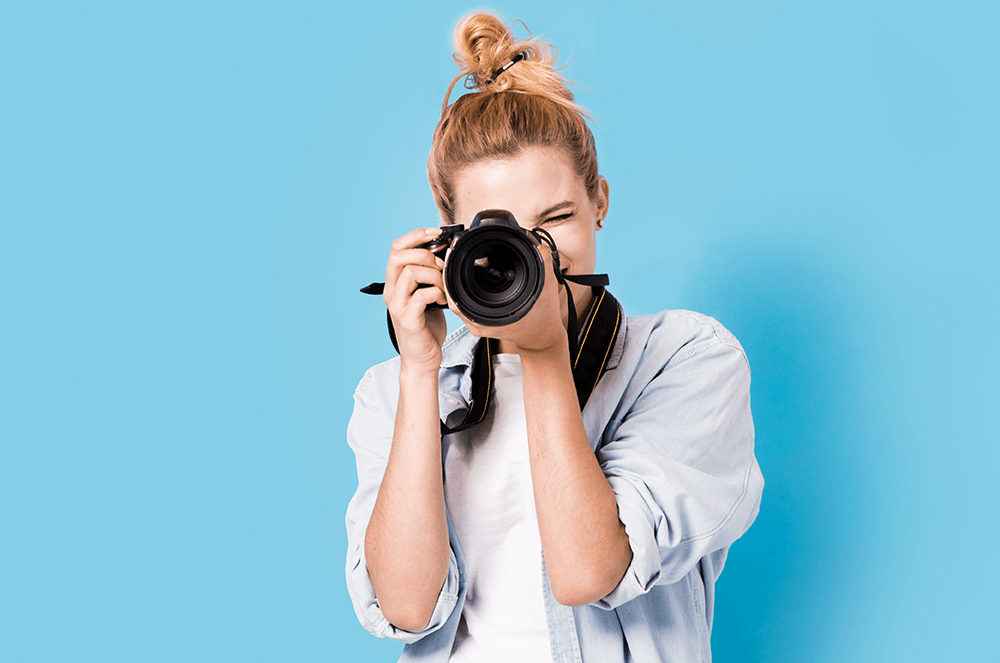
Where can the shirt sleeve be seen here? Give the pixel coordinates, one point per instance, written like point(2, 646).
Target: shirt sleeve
point(369, 435)
point(681, 463)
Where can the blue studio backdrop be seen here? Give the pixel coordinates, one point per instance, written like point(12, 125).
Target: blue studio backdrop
point(191, 194)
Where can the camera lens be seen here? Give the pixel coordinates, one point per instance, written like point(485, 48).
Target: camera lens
point(494, 274)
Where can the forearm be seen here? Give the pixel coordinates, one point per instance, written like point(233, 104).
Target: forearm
point(585, 544)
point(406, 544)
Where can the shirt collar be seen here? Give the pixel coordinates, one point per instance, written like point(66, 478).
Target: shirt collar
point(459, 348)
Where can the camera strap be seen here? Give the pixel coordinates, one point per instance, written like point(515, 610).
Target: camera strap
point(599, 335)
point(589, 351)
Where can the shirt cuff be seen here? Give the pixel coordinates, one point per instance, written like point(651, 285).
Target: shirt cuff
point(370, 614)
point(640, 526)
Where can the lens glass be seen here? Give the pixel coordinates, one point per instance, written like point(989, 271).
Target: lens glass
point(495, 273)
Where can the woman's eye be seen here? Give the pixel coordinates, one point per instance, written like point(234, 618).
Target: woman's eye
point(557, 219)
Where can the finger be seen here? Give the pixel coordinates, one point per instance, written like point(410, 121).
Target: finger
point(412, 279)
point(413, 276)
point(411, 316)
point(399, 260)
point(424, 297)
point(415, 237)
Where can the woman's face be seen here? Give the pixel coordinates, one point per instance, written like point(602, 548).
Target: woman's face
point(541, 190)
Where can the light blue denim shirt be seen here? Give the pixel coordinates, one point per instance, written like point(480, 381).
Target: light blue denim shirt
point(671, 426)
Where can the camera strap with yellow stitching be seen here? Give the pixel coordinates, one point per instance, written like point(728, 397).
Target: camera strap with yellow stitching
point(589, 350)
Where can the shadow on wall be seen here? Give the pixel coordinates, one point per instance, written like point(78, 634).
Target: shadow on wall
point(801, 315)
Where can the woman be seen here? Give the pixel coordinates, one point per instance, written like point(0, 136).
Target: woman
point(542, 532)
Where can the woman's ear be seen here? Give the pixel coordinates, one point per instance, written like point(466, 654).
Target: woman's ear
point(603, 200)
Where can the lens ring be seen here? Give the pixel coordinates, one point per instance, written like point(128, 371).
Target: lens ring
point(506, 249)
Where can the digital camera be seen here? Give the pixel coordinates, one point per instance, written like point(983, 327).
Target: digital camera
point(494, 271)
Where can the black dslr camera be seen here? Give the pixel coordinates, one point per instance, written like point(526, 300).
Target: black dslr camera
point(494, 272)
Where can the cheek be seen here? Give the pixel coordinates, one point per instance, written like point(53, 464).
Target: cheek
point(581, 250)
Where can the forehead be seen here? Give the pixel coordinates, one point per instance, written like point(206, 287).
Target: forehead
point(526, 184)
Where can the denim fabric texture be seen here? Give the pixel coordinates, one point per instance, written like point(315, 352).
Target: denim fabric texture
point(671, 426)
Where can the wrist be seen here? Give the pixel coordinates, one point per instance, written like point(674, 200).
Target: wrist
point(550, 356)
point(417, 375)
point(544, 342)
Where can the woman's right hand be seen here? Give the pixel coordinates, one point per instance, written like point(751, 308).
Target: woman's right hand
point(406, 543)
point(419, 332)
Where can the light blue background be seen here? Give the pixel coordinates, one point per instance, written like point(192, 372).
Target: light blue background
point(191, 194)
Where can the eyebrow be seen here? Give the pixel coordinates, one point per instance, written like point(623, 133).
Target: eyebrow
point(555, 207)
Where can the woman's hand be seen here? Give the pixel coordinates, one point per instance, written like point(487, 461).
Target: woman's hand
point(419, 332)
point(586, 547)
point(406, 543)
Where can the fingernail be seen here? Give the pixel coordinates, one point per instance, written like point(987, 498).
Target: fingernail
point(440, 263)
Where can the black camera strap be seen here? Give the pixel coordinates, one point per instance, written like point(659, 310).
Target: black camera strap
point(589, 351)
point(482, 385)
point(590, 358)
point(599, 335)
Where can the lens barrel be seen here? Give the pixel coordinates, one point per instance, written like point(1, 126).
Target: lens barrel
point(494, 273)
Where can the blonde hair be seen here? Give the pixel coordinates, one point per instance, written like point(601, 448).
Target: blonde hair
point(527, 105)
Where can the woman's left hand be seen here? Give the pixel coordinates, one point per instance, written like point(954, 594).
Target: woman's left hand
point(586, 547)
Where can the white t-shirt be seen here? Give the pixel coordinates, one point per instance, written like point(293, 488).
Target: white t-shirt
point(489, 497)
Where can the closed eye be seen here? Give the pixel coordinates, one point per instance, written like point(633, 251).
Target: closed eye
point(557, 219)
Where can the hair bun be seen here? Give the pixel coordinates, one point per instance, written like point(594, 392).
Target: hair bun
point(485, 44)
point(523, 101)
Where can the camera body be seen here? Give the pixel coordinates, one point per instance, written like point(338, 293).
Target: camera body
point(494, 272)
